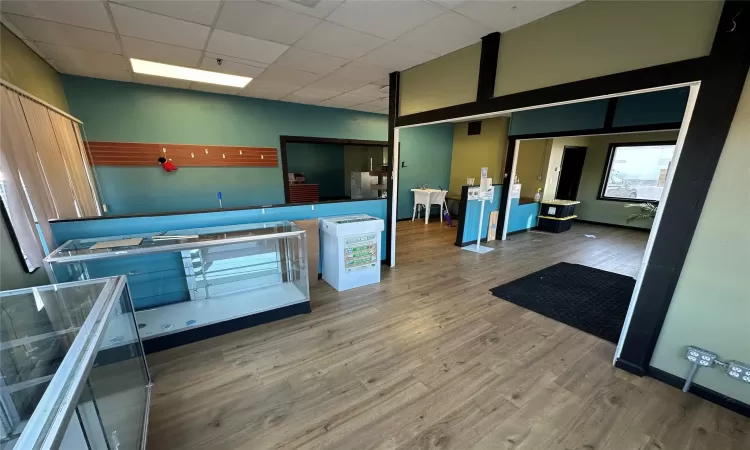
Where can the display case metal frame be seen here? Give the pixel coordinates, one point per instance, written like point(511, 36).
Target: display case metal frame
point(47, 424)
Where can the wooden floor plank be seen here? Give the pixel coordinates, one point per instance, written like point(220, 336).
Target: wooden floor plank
point(429, 359)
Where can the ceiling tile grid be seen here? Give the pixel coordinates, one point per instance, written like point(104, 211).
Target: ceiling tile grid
point(333, 53)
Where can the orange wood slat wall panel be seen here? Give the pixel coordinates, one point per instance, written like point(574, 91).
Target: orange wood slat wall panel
point(303, 193)
point(137, 154)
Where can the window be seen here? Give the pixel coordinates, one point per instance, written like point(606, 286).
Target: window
point(636, 172)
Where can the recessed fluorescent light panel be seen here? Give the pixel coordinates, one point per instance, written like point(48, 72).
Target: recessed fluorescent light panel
point(186, 73)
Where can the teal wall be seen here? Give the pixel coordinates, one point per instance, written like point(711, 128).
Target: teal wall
point(131, 112)
point(322, 164)
point(631, 110)
point(426, 151)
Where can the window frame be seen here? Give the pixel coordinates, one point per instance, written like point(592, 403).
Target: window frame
point(14, 239)
point(608, 166)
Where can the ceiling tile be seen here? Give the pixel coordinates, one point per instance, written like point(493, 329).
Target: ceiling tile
point(336, 40)
point(286, 75)
point(265, 21)
point(445, 34)
point(158, 52)
point(300, 99)
point(246, 62)
point(199, 11)
point(214, 88)
point(378, 104)
point(161, 81)
point(91, 64)
point(371, 90)
point(367, 107)
point(337, 83)
point(356, 70)
point(309, 61)
point(397, 56)
point(230, 67)
point(245, 47)
point(345, 100)
point(309, 94)
point(317, 8)
point(66, 35)
point(268, 89)
point(387, 19)
point(154, 27)
point(450, 4)
point(89, 14)
point(503, 16)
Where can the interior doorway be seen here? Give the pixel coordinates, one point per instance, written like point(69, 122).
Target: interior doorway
point(570, 172)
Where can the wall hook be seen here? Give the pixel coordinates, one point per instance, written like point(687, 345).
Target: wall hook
point(206, 150)
point(192, 155)
point(240, 152)
point(223, 156)
point(261, 157)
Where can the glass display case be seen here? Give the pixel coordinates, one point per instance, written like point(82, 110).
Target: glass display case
point(73, 371)
point(182, 280)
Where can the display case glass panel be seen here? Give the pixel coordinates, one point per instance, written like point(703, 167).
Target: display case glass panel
point(182, 279)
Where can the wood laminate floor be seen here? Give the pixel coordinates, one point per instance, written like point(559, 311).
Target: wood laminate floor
point(429, 359)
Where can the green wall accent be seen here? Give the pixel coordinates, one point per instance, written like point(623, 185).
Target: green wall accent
point(322, 164)
point(427, 153)
point(711, 304)
point(26, 70)
point(118, 111)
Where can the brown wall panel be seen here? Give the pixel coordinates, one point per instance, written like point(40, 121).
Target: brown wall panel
point(135, 154)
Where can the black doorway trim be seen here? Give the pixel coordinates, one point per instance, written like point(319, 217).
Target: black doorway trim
point(681, 72)
point(720, 90)
point(394, 87)
point(609, 117)
point(284, 140)
point(488, 66)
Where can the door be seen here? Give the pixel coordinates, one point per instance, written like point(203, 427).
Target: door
point(570, 173)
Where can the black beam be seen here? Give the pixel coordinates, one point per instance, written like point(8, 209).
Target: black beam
point(607, 130)
point(394, 86)
point(609, 117)
point(507, 184)
point(681, 72)
point(488, 66)
point(720, 90)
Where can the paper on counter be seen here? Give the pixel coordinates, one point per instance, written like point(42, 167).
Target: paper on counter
point(129, 242)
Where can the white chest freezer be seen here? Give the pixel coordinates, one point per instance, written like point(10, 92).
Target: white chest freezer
point(351, 250)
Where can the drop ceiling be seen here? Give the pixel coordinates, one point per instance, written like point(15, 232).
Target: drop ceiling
point(335, 53)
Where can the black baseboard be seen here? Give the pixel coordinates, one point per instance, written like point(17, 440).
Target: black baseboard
point(468, 243)
point(614, 225)
point(702, 392)
point(511, 233)
point(198, 334)
point(629, 367)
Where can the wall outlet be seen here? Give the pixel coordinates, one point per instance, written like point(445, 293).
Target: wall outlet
point(700, 356)
point(739, 370)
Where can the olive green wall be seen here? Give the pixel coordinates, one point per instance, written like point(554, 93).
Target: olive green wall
point(531, 165)
point(598, 37)
point(445, 81)
point(471, 153)
point(23, 68)
point(607, 211)
point(26, 70)
point(711, 304)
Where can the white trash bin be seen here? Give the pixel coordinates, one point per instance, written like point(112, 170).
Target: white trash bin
point(351, 250)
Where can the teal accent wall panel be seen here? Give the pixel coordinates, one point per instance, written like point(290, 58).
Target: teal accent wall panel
point(576, 116)
point(522, 217)
point(322, 164)
point(471, 220)
point(131, 112)
point(651, 108)
point(426, 151)
point(136, 190)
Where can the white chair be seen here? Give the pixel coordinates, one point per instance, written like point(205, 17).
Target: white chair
point(426, 198)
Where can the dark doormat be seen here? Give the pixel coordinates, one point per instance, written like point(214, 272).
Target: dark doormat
point(592, 300)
